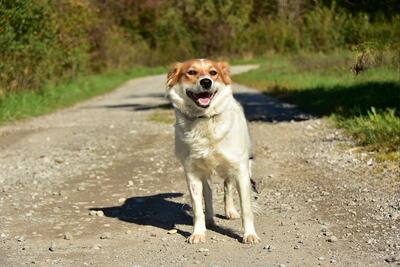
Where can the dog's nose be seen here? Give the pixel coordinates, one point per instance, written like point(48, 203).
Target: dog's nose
point(205, 83)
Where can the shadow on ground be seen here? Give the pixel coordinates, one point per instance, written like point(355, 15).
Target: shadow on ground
point(158, 211)
point(345, 100)
point(257, 107)
point(140, 107)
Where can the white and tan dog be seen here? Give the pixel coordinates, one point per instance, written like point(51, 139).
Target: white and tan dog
point(211, 137)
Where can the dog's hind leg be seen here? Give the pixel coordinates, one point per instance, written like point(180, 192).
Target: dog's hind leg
point(230, 210)
point(244, 188)
point(207, 193)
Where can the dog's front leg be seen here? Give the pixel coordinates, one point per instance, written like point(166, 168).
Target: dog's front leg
point(244, 188)
point(196, 194)
point(207, 193)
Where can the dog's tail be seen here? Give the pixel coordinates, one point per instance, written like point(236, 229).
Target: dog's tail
point(255, 190)
point(253, 183)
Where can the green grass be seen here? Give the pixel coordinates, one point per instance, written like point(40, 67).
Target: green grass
point(367, 106)
point(245, 61)
point(27, 104)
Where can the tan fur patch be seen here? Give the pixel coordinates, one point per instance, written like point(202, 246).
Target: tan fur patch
point(190, 71)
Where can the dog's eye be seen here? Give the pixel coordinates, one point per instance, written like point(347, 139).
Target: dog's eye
point(192, 72)
point(213, 73)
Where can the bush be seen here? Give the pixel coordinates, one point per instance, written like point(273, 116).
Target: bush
point(27, 43)
point(45, 41)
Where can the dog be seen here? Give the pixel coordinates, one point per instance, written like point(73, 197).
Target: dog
point(211, 138)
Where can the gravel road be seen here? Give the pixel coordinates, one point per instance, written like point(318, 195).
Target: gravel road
point(97, 184)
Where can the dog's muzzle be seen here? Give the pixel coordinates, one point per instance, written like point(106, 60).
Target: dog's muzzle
point(201, 99)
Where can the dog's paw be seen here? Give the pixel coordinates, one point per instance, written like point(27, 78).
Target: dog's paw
point(232, 214)
point(196, 239)
point(251, 239)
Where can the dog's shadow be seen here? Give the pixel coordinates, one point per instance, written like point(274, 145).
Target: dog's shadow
point(159, 211)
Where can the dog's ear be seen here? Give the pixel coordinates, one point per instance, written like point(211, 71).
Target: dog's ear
point(224, 70)
point(173, 74)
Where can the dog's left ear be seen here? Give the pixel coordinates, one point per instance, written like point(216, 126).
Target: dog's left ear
point(173, 75)
point(224, 70)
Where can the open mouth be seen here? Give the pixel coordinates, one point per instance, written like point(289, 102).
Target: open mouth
point(202, 99)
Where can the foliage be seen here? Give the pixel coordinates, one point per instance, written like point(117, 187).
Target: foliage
point(25, 104)
point(366, 105)
point(44, 41)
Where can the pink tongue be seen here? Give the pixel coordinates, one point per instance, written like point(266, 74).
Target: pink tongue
point(204, 101)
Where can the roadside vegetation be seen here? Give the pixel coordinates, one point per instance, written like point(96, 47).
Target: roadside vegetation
point(366, 105)
point(56, 53)
point(27, 103)
point(44, 41)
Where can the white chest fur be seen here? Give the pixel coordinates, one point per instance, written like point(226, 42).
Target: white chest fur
point(218, 143)
point(202, 137)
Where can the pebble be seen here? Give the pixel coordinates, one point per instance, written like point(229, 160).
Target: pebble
point(93, 212)
point(121, 200)
point(269, 248)
point(324, 193)
point(369, 162)
point(21, 239)
point(130, 183)
point(100, 213)
point(67, 236)
point(106, 235)
point(296, 247)
point(332, 239)
point(59, 160)
point(203, 250)
point(172, 231)
point(328, 233)
point(96, 246)
point(52, 246)
point(3, 235)
point(324, 229)
point(395, 258)
point(128, 232)
point(321, 258)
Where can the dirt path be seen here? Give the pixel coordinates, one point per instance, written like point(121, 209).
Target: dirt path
point(98, 184)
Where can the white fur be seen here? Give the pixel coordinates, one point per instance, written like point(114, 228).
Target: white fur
point(213, 140)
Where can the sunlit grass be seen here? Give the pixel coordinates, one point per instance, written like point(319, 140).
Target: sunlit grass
point(367, 105)
point(27, 104)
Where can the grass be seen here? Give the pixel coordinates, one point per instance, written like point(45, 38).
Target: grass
point(367, 106)
point(27, 104)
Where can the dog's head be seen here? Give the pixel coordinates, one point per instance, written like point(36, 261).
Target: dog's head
point(199, 87)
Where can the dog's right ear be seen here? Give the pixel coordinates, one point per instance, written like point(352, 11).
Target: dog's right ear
point(173, 75)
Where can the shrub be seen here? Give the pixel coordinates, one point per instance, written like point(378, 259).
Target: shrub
point(45, 41)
